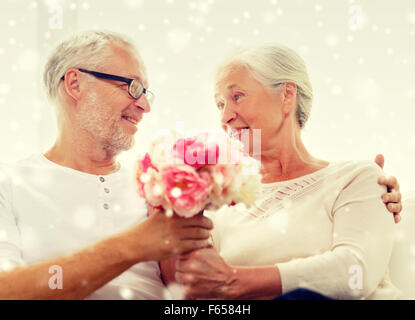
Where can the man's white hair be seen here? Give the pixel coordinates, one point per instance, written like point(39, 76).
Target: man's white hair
point(88, 50)
point(273, 65)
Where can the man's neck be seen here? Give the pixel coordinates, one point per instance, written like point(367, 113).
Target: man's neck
point(85, 157)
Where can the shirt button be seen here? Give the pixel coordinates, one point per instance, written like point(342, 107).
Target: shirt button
point(107, 190)
point(106, 206)
point(101, 179)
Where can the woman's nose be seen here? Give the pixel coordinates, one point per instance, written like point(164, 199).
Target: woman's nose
point(228, 115)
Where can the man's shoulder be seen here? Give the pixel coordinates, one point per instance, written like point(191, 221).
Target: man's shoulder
point(20, 168)
point(29, 161)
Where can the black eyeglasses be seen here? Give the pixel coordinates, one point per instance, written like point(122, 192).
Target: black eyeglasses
point(135, 87)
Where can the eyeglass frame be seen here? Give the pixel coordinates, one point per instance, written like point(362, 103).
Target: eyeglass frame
point(108, 76)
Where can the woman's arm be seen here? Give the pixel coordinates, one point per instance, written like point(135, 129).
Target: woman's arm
point(352, 269)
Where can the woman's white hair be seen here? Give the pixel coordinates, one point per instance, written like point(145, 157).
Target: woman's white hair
point(273, 65)
point(88, 50)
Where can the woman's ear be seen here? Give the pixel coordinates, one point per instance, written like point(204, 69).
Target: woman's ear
point(290, 97)
point(72, 83)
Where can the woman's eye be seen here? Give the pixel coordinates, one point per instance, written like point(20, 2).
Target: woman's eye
point(220, 106)
point(237, 96)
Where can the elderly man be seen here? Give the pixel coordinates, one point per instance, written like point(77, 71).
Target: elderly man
point(71, 223)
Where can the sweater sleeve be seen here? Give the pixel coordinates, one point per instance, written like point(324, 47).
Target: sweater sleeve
point(363, 233)
point(10, 244)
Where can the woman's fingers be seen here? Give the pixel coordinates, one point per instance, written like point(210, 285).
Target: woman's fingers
point(390, 182)
point(380, 160)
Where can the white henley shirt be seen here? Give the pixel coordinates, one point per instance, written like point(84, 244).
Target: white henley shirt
point(48, 211)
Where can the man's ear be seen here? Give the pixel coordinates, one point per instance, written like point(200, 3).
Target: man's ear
point(72, 83)
point(290, 97)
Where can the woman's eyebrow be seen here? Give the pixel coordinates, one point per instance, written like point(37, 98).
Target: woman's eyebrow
point(231, 86)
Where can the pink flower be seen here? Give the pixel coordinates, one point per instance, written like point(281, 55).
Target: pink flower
point(143, 166)
point(146, 163)
point(196, 152)
point(222, 177)
point(186, 189)
point(154, 189)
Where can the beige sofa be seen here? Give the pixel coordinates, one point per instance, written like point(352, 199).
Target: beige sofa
point(402, 265)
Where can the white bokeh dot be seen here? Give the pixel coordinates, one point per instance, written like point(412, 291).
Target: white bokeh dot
point(28, 60)
point(3, 235)
point(126, 293)
point(178, 39)
point(331, 40)
point(176, 192)
point(4, 88)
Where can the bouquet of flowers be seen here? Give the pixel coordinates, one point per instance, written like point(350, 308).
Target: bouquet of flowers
point(189, 175)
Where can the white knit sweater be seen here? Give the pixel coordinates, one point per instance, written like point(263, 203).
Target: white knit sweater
point(328, 231)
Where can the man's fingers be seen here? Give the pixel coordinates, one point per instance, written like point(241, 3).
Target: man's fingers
point(380, 160)
point(199, 221)
point(153, 210)
point(196, 233)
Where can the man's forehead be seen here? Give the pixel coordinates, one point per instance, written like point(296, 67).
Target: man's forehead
point(128, 63)
point(140, 76)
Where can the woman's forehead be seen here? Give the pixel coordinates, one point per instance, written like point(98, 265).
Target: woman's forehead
point(233, 73)
point(235, 76)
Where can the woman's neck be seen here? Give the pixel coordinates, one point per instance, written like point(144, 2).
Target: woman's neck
point(287, 158)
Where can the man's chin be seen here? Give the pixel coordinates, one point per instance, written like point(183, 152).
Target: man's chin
point(120, 147)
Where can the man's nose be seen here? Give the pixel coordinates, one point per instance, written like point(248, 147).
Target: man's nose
point(143, 103)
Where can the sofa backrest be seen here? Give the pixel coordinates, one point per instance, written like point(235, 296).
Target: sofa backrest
point(402, 264)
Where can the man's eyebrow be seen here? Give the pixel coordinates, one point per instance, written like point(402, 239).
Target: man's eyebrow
point(133, 76)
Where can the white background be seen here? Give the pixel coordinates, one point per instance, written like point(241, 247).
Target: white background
point(360, 56)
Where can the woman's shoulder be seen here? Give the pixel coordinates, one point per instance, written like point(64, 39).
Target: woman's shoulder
point(355, 174)
point(355, 168)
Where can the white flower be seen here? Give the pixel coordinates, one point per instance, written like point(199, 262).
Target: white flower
point(246, 185)
point(161, 148)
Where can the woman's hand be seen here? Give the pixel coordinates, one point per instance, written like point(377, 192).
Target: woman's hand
point(392, 199)
point(204, 274)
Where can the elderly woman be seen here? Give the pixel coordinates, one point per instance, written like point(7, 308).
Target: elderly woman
point(318, 225)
